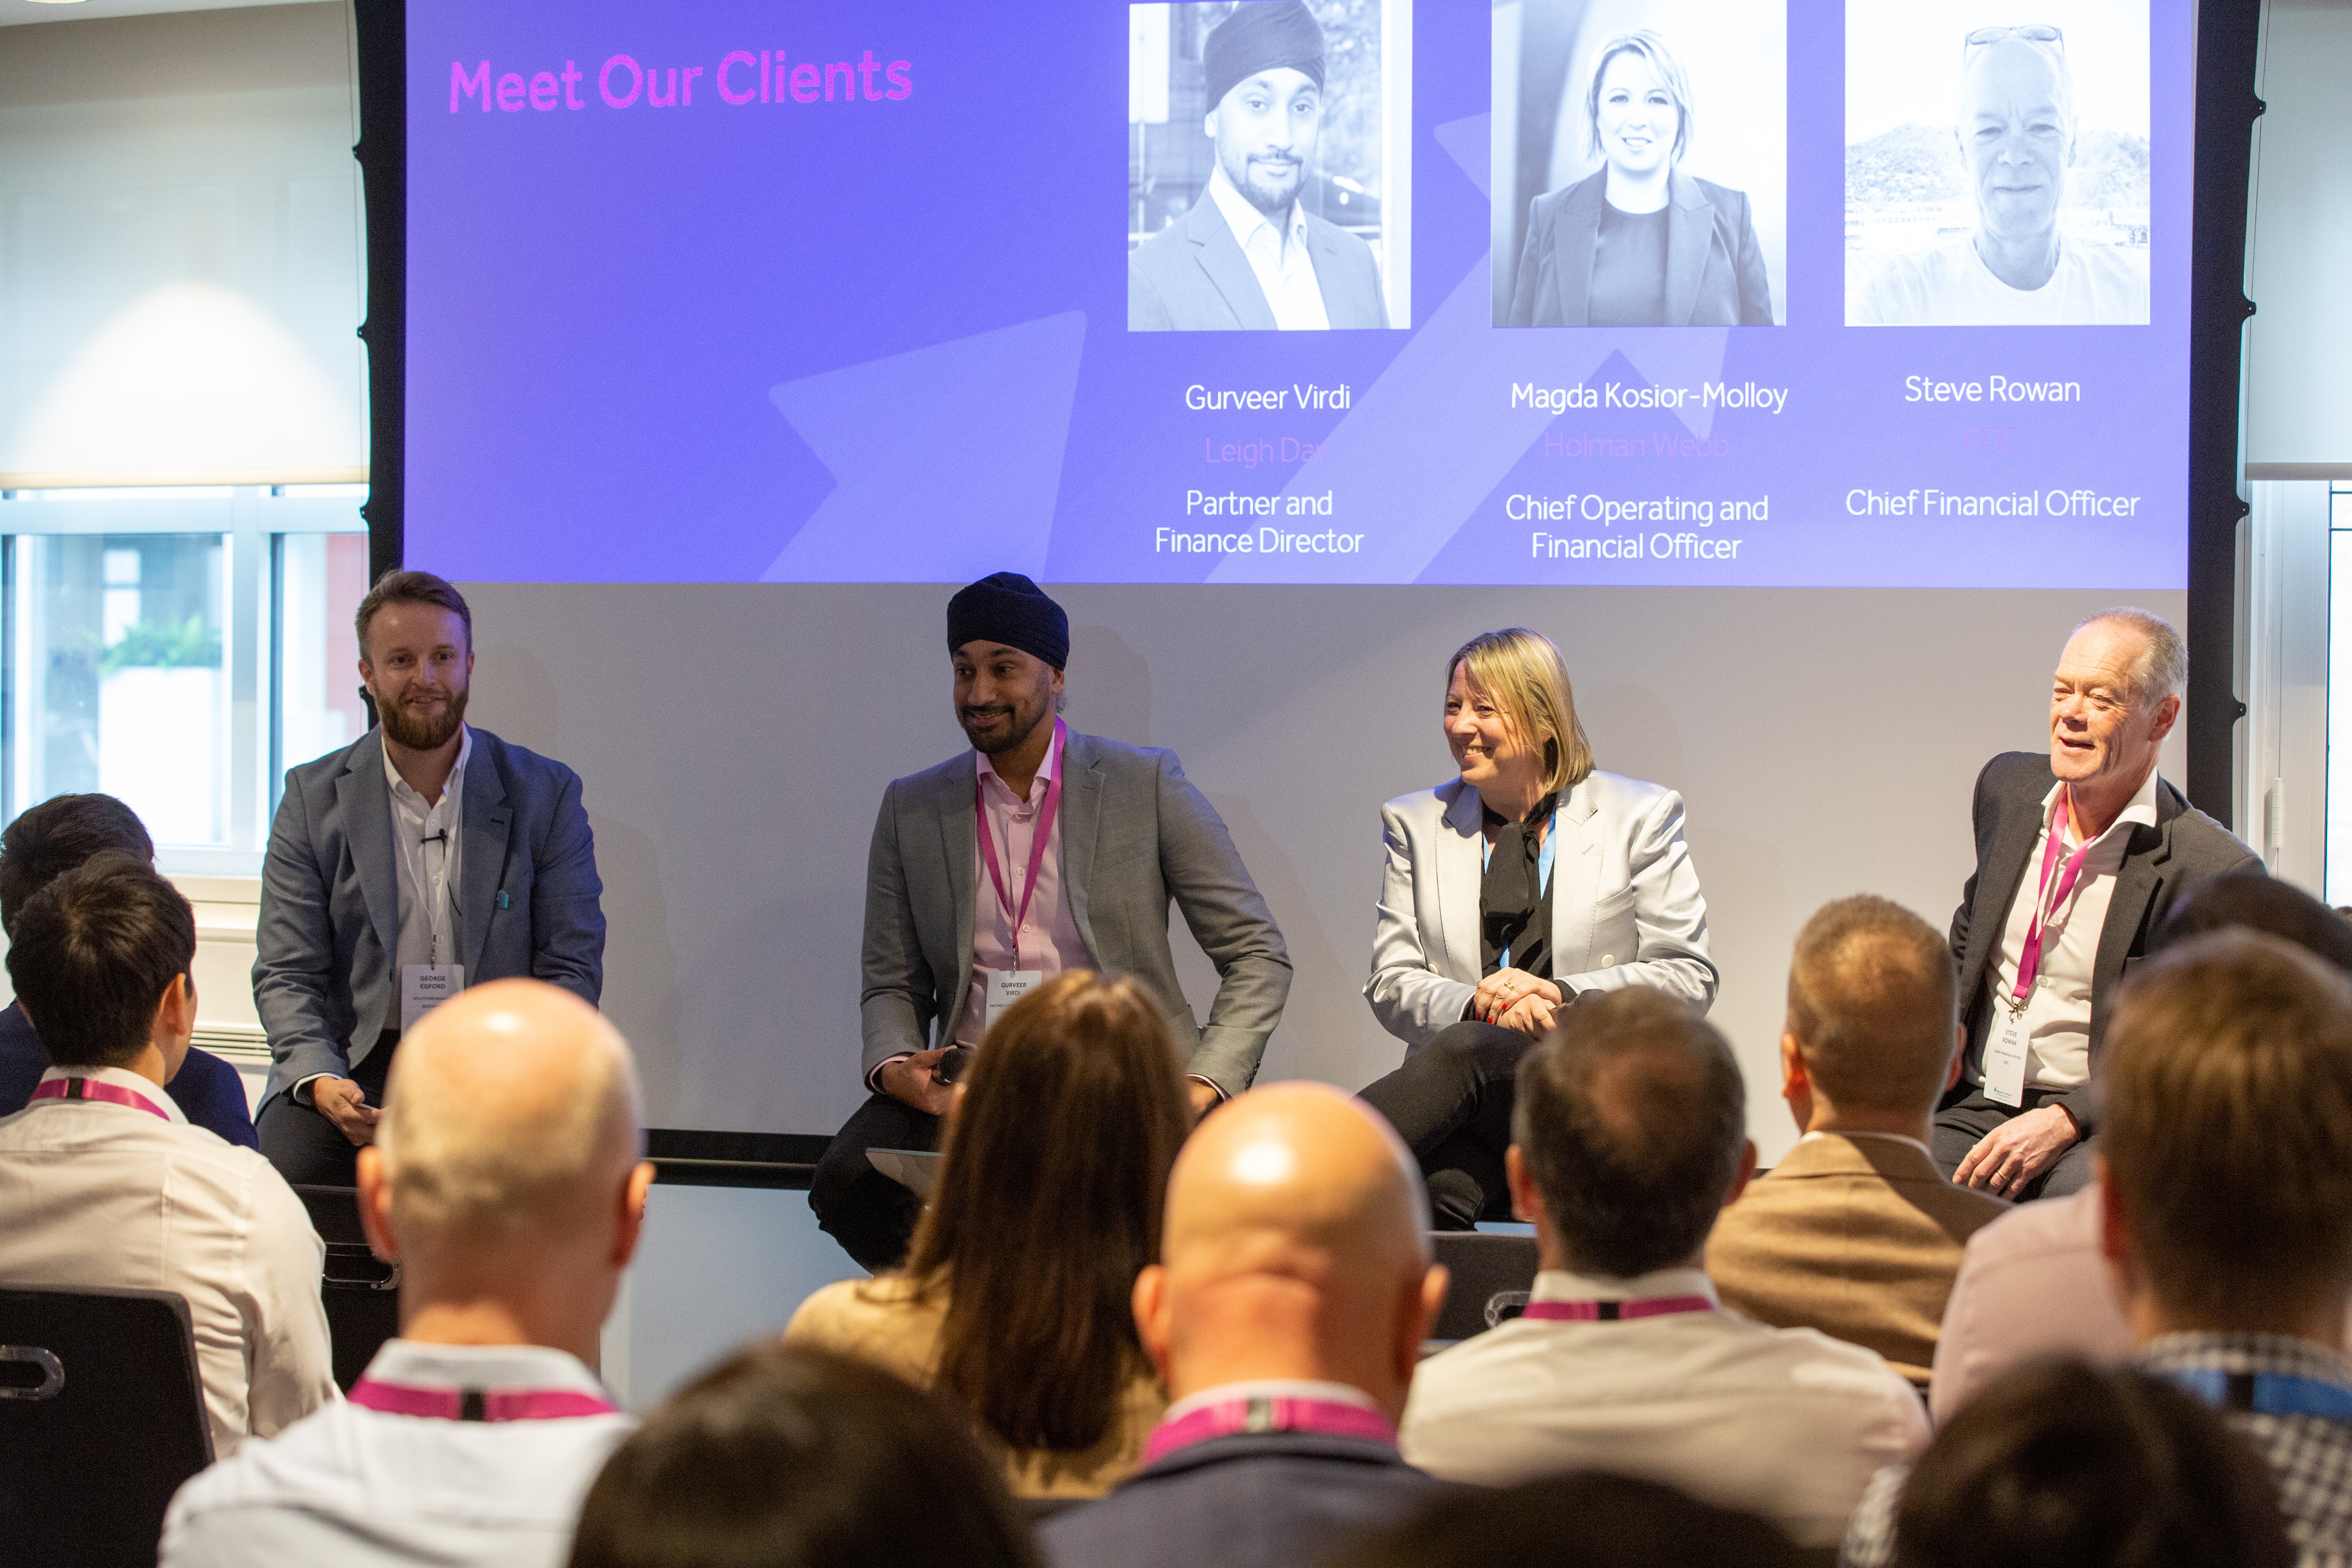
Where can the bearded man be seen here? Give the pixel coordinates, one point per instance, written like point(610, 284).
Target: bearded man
point(1249, 255)
point(424, 856)
point(1037, 850)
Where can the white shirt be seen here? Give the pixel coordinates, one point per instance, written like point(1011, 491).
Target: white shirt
point(427, 873)
point(1278, 254)
point(1950, 286)
point(2058, 1013)
point(1300, 1388)
point(1786, 1423)
point(95, 1193)
point(352, 1487)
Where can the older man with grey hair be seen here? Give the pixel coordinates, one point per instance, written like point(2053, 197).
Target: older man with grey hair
point(506, 1180)
point(2080, 855)
point(2016, 130)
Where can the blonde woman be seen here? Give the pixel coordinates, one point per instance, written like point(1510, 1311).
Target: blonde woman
point(1509, 891)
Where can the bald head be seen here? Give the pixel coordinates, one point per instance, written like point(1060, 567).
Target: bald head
point(512, 1110)
point(1295, 1246)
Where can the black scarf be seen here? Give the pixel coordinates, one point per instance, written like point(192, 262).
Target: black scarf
point(1510, 898)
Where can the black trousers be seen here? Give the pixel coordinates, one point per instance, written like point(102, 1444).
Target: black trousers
point(310, 1150)
point(1965, 1116)
point(871, 1215)
point(1450, 1103)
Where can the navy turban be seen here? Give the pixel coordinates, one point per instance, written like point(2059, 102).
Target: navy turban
point(1262, 35)
point(1006, 607)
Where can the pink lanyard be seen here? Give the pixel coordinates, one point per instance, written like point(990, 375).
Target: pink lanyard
point(87, 1088)
point(1228, 1416)
point(1043, 837)
point(2028, 960)
point(1615, 1311)
point(477, 1404)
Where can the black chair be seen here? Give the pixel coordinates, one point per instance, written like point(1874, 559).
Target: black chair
point(1492, 1275)
point(361, 1292)
point(101, 1418)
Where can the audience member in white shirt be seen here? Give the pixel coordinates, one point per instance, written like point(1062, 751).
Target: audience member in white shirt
point(1630, 1134)
point(104, 1182)
point(506, 1183)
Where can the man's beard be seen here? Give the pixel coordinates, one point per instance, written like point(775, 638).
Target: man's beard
point(1014, 732)
point(423, 734)
point(1260, 195)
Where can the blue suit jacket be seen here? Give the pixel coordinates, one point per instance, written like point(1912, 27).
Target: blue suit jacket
point(1271, 1499)
point(1714, 270)
point(527, 899)
point(208, 1091)
point(1191, 276)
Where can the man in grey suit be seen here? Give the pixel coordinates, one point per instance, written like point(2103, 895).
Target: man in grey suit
point(1037, 851)
point(424, 856)
point(1249, 256)
point(2080, 855)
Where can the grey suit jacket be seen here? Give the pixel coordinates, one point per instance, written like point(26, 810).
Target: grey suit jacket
point(1714, 270)
point(2185, 848)
point(1134, 833)
point(527, 904)
point(1626, 903)
point(1191, 276)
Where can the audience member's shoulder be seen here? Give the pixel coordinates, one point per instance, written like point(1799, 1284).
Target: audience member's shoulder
point(883, 1319)
point(1814, 1361)
point(2067, 1224)
point(300, 1461)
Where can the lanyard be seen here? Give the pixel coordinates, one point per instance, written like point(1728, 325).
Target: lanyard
point(2266, 1393)
point(1615, 1311)
point(89, 1088)
point(1037, 842)
point(1228, 1416)
point(2028, 960)
point(477, 1404)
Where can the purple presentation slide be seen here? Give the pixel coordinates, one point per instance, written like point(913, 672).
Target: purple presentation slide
point(1753, 293)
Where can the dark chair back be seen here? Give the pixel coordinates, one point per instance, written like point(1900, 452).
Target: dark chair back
point(361, 1293)
point(1492, 1275)
point(101, 1418)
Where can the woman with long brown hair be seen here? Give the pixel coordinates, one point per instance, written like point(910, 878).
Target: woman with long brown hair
point(1014, 1303)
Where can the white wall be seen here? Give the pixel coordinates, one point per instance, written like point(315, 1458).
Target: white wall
point(734, 743)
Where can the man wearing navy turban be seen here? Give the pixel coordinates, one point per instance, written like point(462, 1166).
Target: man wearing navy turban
point(1249, 255)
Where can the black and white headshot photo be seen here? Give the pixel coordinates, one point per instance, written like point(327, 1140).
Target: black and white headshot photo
point(1641, 163)
point(1268, 165)
point(1996, 169)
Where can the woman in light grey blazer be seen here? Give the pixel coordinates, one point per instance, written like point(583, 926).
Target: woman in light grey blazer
point(1508, 892)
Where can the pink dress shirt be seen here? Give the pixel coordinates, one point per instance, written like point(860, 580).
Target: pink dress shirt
point(1049, 938)
point(2031, 1284)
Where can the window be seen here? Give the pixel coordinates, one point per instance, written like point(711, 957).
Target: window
point(2339, 694)
point(180, 648)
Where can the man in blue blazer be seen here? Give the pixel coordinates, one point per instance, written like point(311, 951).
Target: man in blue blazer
point(424, 856)
point(1248, 256)
point(1287, 1316)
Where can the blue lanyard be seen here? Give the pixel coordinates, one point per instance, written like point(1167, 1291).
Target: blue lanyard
point(1543, 868)
point(2266, 1393)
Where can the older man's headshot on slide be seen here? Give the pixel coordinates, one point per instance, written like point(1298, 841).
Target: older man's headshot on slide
point(1640, 167)
point(2027, 202)
point(1266, 169)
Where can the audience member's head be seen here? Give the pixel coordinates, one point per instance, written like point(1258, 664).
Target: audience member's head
point(1872, 1032)
point(791, 1458)
point(2227, 1141)
point(1296, 1246)
point(1584, 1519)
point(2259, 903)
point(1037, 1239)
point(1629, 1134)
point(2058, 1463)
point(47, 840)
point(99, 958)
point(505, 1174)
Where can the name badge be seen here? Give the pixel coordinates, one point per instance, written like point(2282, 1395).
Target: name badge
point(2004, 1060)
point(1006, 986)
point(425, 986)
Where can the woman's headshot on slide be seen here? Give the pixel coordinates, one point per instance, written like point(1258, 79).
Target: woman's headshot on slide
point(1638, 242)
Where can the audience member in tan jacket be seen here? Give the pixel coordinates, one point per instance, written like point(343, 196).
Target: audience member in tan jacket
point(1856, 1232)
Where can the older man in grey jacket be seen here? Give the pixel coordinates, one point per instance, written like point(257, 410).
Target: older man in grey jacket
point(1037, 851)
